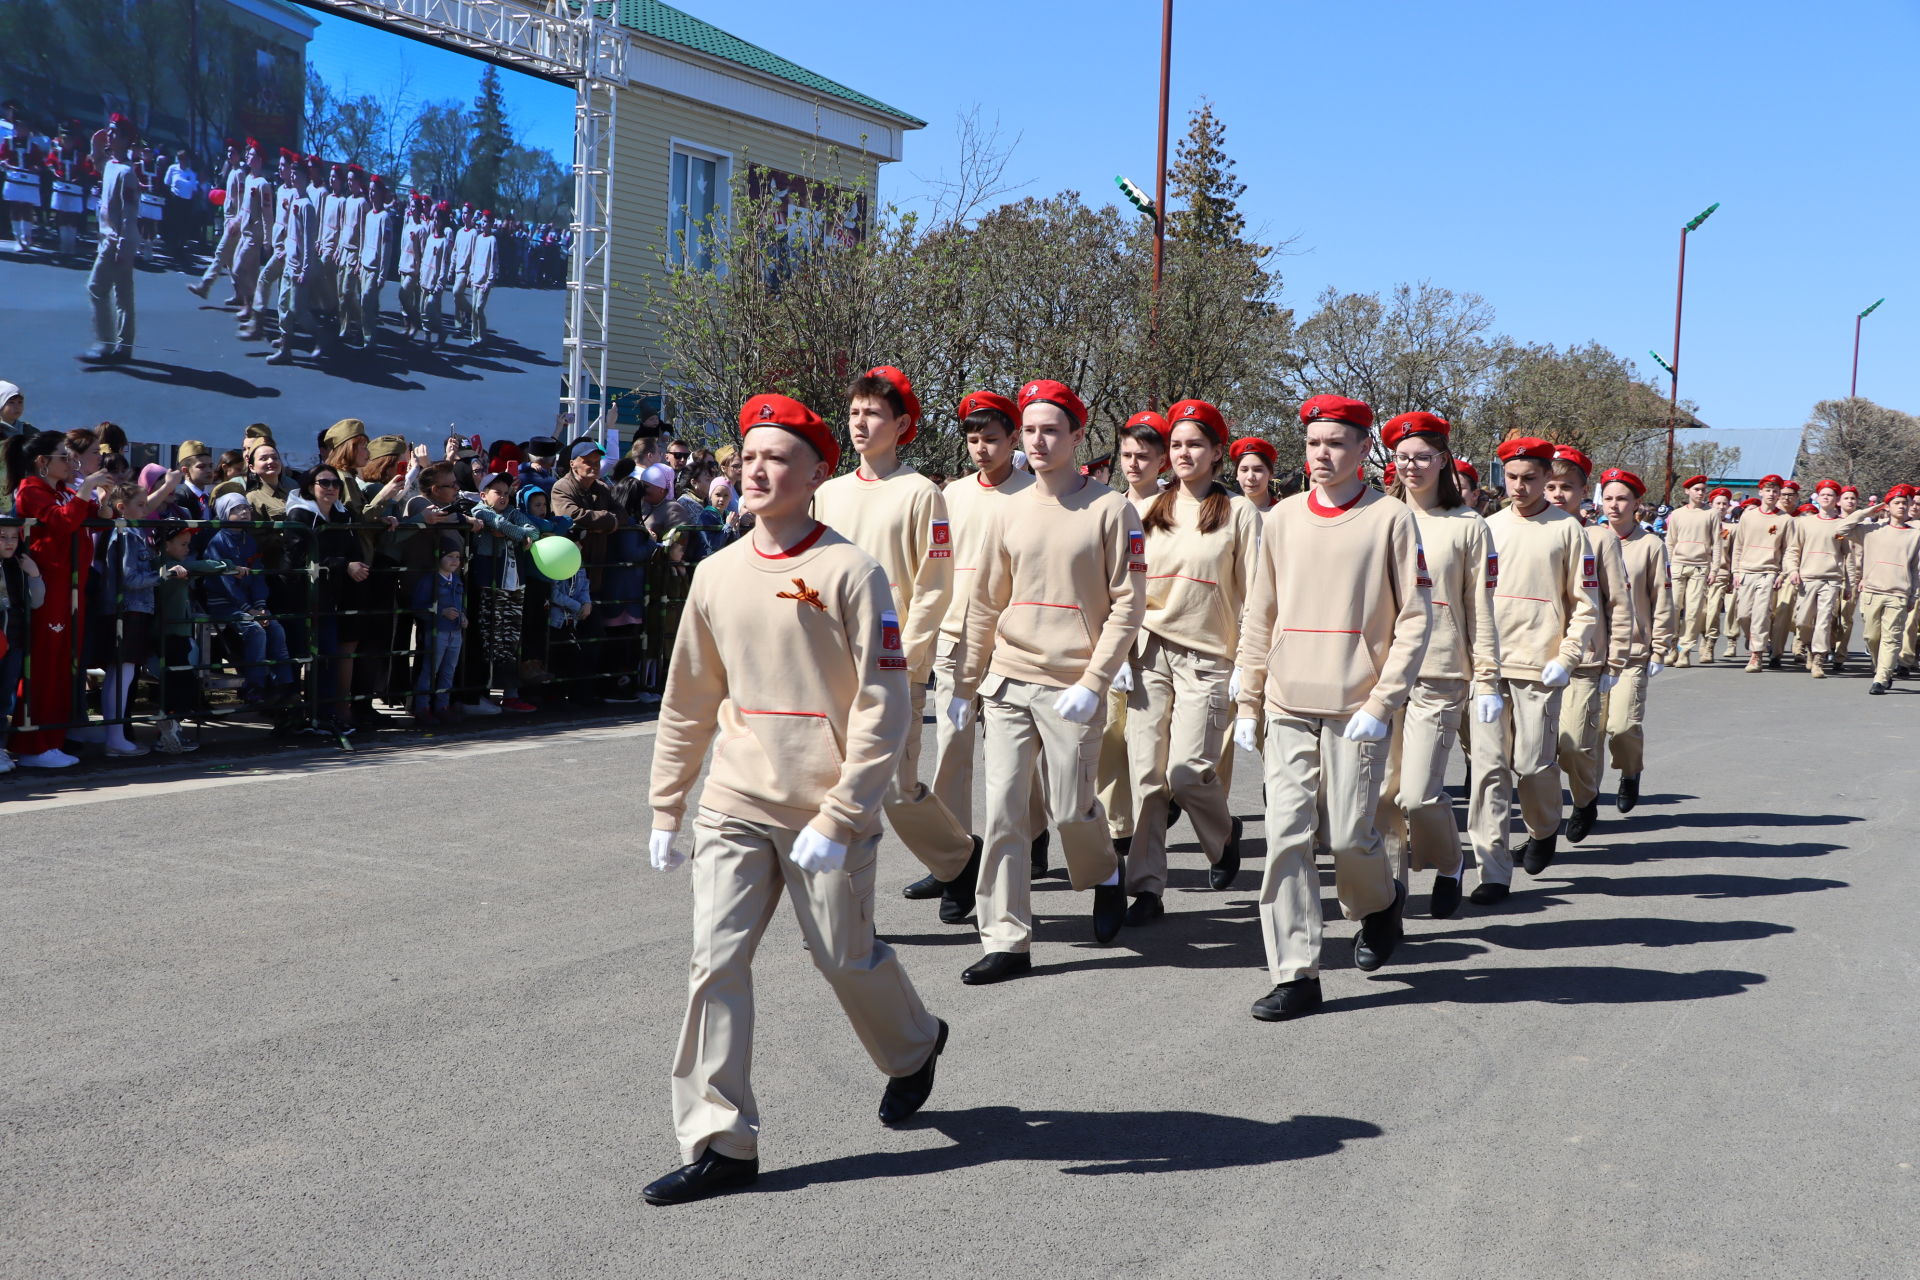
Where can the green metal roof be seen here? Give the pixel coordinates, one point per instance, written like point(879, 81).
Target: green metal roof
point(664, 22)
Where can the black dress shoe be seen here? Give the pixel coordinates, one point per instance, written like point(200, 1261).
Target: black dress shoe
point(1173, 813)
point(1445, 899)
point(1123, 845)
point(907, 1094)
point(1145, 909)
point(927, 886)
point(1109, 910)
point(711, 1174)
point(1380, 932)
point(1221, 874)
point(1538, 855)
point(1626, 793)
point(1486, 893)
point(1876, 687)
point(956, 895)
point(1038, 854)
point(1581, 822)
point(996, 966)
point(1288, 1000)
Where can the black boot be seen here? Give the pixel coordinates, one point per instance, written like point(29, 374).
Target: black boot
point(927, 886)
point(1380, 932)
point(1627, 793)
point(1445, 899)
point(1146, 908)
point(996, 966)
point(1538, 855)
point(711, 1174)
point(1221, 874)
point(907, 1094)
point(1288, 1000)
point(1038, 854)
point(1581, 822)
point(1109, 909)
point(956, 895)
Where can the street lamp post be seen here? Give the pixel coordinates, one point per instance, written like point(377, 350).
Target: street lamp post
point(1853, 390)
point(1160, 196)
point(1673, 369)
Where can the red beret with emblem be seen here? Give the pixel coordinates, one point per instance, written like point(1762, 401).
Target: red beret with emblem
point(1148, 418)
point(789, 414)
point(1253, 444)
point(1767, 480)
point(1691, 481)
point(1900, 491)
point(1532, 447)
point(1337, 409)
point(1401, 426)
point(975, 401)
point(1827, 484)
point(1791, 486)
point(1058, 394)
point(1201, 412)
point(1720, 493)
point(1853, 489)
point(903, 387)
point(1567, 453)
point(1620, 475)
point(1805, 509)
point(1467, 469)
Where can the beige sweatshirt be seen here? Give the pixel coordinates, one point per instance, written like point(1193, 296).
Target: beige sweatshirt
point(1760, 541)
point(1890, 558)
point(1649, 594)
point(1546, 602)
point(1693, 537)
point(1339, 616)
point(795, 660)
point(1615, 601)
point(1197, 582)
point(970, 503)
point(1821, 547)
point(900, 521)
point(1060, 592)
point(1465, 645)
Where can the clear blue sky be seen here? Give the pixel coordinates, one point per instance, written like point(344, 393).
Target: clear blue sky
point(1544, 156)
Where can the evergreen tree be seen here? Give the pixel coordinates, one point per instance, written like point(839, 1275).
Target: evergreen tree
point(1202, 178)
point(492, 139)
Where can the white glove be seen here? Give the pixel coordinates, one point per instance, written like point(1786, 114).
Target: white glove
point(1607, 682)
point(1244, 731)
point(813, 852)
point(1655, 668)
point(1555, 674)
point(1123, 678)
point(1487, 708)
point(1362, 727)
point(662, 854)
point(959, 713)
point(1233, 686)
point(1076, 704)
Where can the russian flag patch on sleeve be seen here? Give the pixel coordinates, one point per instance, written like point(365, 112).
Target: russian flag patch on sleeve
point(1589, 577)
point(1136, 551)
point(891, 659)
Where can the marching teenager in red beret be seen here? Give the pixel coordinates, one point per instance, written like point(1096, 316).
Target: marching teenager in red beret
point(1818, 566)
point(1759, 554)
point(1200, 553)
point(1889, 585)
point(1334, 634)
point(1649, 640)
point(1143, 460)
point(1856, 566)
point(1056, 608)
point(1460, 676)
point(789, 652)
point(1780, 630)
point(1693, 540)
point(898, 516)
point(1546, 609)
point(1253, 462)
point(1583, 706)
point(1720, 620)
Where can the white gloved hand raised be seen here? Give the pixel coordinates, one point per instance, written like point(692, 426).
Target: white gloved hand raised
point(813, 852)
point(960, 713)
point(1233, 686)
point(1245, 733)
point(661, 853)
point(1655, 668)
point(1487, 707)
point(1555, 674)
point(1076, 704)
point(1362, 727)
point(1607, 682)
point(1123, 678)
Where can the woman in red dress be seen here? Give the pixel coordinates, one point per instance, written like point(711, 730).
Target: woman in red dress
point(61, 548)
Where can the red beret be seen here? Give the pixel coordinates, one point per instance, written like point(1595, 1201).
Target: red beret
point(790, 414)
point(1791, 486)
point(1525, 447)
point(1750, 502)
point(287, 154)
point(1201, 412)
point(1620, 475)
point(1337, 409)
point(1900, 491)
point(1853, 489)
point(1253, 444)
point(975, 401)
point(1567, 453)
point(1058, 394)
point(253, 143)
point(1148, 418)
point(904, 388)
point(313, 160)
point(1767, 480)
point(1398, 428)
point(1691, 481)
point(1467, 469)
point(1720, 493)
point(1827, 484)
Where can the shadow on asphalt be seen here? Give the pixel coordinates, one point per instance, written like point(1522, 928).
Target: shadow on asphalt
point(1703, 886)
point(212, 381)
point(1549, 984)
point(1088, 1142)
point(1628, 931)
point(1638, 821)
point(1657, 850)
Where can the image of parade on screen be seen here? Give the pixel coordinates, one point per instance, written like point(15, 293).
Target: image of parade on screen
point(291, 210)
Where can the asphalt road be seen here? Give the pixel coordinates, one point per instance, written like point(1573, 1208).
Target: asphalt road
point(190, 376)
point(410, 1013)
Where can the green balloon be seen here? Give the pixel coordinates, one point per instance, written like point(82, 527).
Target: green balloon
point(556, 557)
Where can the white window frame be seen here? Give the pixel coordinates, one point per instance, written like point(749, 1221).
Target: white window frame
point(722, 162)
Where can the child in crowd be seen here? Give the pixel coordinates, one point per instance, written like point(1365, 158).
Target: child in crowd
point(496, 578)
point(174, 613)
point(440, 599)
point(569, 604)
point(126, 604)
point(22, 590)
point(239, 604)
point(536, 504)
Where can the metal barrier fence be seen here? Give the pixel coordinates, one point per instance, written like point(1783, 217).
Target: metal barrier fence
point(308, 640)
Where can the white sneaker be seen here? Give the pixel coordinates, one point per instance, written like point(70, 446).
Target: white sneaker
point(481, 708)
point(170, 742)
point(52, 758)
point(6, 763)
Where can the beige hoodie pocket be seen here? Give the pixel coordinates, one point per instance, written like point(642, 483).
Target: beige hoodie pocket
point(1046, 634)
point(1322, 671)
point(786, 758)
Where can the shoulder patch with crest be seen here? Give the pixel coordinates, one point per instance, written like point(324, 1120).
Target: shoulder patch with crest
point(1136, 551)
point(1589, 576)
point(942, 546)
point(1425, 579)
point(891, 659)
point(1493, 566)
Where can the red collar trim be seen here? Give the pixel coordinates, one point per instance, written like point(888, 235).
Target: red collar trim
point(1320, 508)
point(799, 548)
point(980, 478)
